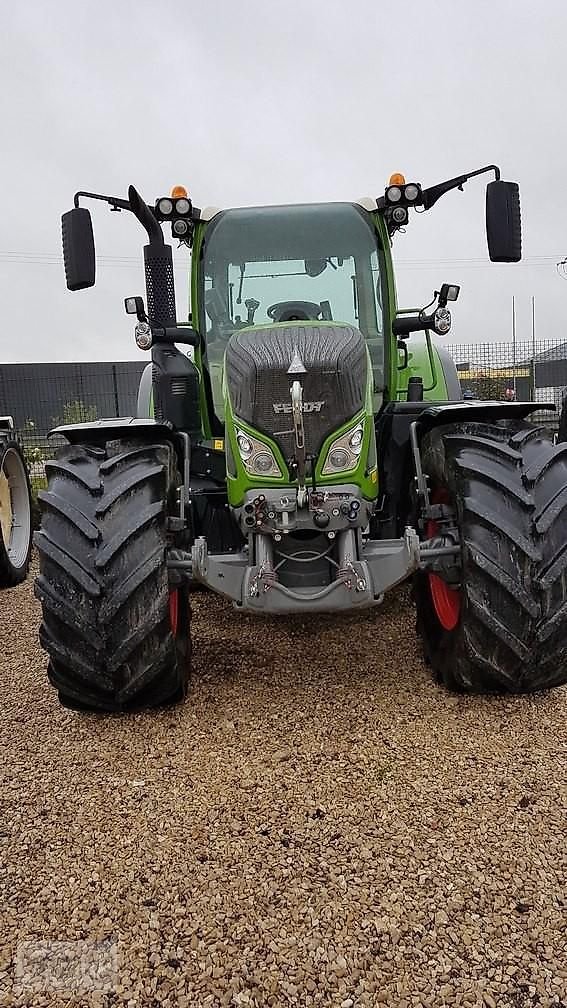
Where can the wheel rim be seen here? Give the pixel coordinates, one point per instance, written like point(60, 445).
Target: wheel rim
point(15, 512)
point(6, 516)
point(174, 610)
point(446, 600)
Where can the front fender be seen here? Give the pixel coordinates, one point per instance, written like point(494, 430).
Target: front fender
point(121, 427)
point(482, 411)
point(145, 403)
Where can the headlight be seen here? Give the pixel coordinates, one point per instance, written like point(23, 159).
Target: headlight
point(165, 206)
point(180, 227)
point(258, 457)
point(182, 206)
point(393, 194)
point(338, 458)
point(411, 192)
point(442, 322)
point(143, 336)
point(344, 453)
point(244, 446)
point(355, 440)
point(263, 463)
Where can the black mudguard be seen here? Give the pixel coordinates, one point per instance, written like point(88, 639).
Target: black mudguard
point(436, 414)
point(103, 430)
point(395, 460)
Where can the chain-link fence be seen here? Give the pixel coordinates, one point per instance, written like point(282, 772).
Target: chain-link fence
point(522, 371)
point(41, 396)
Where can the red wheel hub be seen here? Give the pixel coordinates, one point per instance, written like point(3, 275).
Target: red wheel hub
point(174, 610)
point(446, 600)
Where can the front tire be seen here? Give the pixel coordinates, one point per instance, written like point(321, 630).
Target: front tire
point(15, 513)
point(506, 628)
point(117, 634)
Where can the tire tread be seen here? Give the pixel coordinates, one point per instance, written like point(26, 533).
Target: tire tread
point(103, 580)
point(508, 482)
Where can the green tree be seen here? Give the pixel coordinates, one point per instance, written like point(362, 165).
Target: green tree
point(75, 412)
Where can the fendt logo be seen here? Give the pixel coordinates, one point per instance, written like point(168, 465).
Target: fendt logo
point(308, 407)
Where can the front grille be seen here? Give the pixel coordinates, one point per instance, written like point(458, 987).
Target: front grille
point(335, 360)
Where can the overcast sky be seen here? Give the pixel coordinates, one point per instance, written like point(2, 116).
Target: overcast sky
point(277, 102)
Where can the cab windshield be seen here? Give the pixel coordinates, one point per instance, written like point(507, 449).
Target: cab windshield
point(317, 262)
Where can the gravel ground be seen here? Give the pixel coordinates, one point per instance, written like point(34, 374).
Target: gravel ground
point(318, 825)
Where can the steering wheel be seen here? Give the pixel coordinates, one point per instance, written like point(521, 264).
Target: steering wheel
point(288, 311)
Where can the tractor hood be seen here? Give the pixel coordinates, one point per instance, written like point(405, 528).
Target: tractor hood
point(329, 360)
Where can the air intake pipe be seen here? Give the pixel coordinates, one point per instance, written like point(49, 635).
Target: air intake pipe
point(160, 286)
point(158, 265)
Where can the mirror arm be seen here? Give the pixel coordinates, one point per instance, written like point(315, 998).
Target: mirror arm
point(403, 327)
point(135, 205)
point(115, 202)
point(142, 211)
point(174, 334)
point(431, 195)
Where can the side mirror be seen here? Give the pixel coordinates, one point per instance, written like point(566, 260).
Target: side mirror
point(135, 306)
point(503, 221)
point(448, 292)
point(78, 248)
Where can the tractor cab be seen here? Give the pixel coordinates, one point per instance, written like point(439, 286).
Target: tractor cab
point(317, 266)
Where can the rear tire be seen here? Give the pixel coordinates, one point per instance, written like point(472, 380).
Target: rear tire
point(508, 486)
point(108, 624)
point(15, 513)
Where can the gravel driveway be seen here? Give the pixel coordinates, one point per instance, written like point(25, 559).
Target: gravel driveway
point(318, 825)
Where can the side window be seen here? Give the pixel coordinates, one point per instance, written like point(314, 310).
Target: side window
point(376, 337)
point(216, 339)
point(377, 276)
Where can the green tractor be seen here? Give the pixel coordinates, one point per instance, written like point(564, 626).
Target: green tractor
point(15, 508)
point(301, 446)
